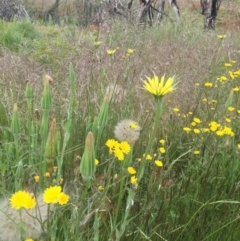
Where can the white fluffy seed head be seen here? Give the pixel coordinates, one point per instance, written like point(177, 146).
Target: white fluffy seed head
point(127, 130)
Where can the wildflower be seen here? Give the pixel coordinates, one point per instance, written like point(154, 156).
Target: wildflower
point(190, 113)
point(29, 239)
point(162, 150)
point(187, 129)
point(36, 178)
point(51, 194)
point(227, 64)
point(127, 130)
point(221, 36)
point(238, 111)
point(111, 51)
point(47, 174)
point(228, 120)
point(219, 133)
point(231, 108)
point(214, 101)
point(22, 199)
point(125, 147)
point(231, 74)
point(97, 43)
point(237, 73)
point(61, 181)
point(197, 120)
point(131, 170)
point(100, 188)
point(222, 78)
point(63, 198)
point(236, 89)
point(196, 131)
point(133, 180)
point(208, 84)
point(148, 157)
point(193, 123)
point(196, 152)
point(204, 99)
point(130, 51)
point(159, 88)
point(197, 84)
point(238, 146)
point(162, 141)
point(214, 126)
point(158, 163)
point(133, 125)
point(119, 154)
point(175, 109)
point(96, 162)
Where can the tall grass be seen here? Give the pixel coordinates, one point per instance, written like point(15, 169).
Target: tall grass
point(193, 196)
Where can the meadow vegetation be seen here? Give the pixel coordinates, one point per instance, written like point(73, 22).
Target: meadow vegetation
point(100, 154)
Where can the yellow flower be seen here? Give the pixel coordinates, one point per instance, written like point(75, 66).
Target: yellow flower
point(187, 129)
point(238, 146)
point(133, 180)
point(214, 125)
point(193, 123)
point(231, 74)
point(29, 239)
point(208, 84)
point(162, 141)
point(196, 84)
point(196, 131)
point(222, 78)
point(159, 88)
point(204, 99)
point(197, 120)
point(190, 113)
point(175, 109)
point(125, 147)
point(119, 154)
point(36, 178)
point(219, 133)
point(196, 152)
point(236, 89)
point(231, 108)
point(130, 51)
point(111, 51)
point(63, 198)
point(158, 163)
point(228, 65)
point(221, 36)
point(133, 125)
point(96, 162)
point(22, 199)
point(100, 188)
point(228, 120)
point(131, 170)
point(51, 194)
point(96, 44)
point(238, 111)
point(47, 174)
point(162, 150)
point(148, 157)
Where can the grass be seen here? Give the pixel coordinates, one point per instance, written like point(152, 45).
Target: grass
point(193, 196)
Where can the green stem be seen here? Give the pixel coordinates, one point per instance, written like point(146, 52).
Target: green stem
point(158, 113)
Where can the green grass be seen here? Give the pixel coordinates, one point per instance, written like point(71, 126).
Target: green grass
point(194, 196)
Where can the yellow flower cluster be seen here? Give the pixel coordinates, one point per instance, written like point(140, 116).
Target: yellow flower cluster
point(54, 194)
point(119, 149)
